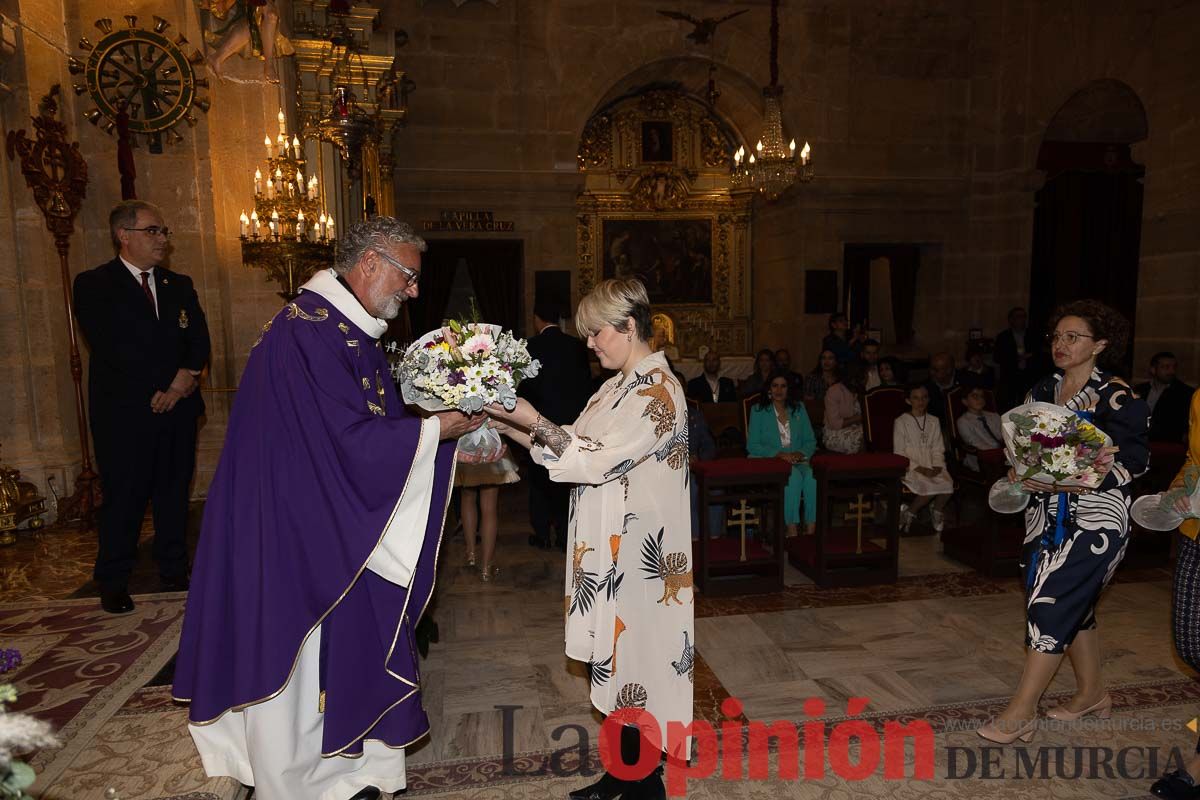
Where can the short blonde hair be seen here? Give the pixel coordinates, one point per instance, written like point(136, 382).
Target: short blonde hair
point(613, 302)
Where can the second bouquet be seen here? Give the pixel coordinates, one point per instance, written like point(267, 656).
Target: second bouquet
point(1051, 444)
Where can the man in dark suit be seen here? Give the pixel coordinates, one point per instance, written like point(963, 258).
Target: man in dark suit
point(1016, 352)
point(149, 341)
point(942, 379)
point(711, 387)
point(1168, 397)
point(560, 391)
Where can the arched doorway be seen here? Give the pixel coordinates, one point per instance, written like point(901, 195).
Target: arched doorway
point(1088, 217)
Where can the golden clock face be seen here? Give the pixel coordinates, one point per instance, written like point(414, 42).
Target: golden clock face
point(144, 73)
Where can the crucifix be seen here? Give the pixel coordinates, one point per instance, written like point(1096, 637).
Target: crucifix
point(57, 173)
point(855, 512)
point(742, 518)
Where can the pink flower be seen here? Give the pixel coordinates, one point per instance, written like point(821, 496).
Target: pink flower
point(478, 343)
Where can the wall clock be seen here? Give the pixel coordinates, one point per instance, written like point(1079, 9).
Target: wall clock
point(144, 74)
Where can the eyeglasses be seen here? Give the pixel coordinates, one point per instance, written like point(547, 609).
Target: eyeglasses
point(1068, 337)
point(413, 276)
point(154, 230)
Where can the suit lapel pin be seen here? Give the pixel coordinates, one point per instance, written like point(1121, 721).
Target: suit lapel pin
point(183, 319)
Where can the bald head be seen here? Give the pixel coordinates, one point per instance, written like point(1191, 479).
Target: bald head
point(941, 368)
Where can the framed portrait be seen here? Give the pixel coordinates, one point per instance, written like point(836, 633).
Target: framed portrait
point(672, 257)
point(657, 142)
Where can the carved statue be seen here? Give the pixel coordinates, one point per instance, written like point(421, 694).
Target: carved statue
point(248, 26)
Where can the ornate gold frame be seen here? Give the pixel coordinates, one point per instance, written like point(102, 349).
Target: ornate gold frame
point(694, 186)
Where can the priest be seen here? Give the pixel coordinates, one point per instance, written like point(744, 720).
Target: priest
point(318, 547)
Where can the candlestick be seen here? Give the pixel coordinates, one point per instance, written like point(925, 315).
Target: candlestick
point(296, 146)
point(258, 181)
point(270, 189)
point(270, 150)
point(330, 229)
point(322, 222)
point(282, 122)
point(243, 222)
point(299, 226)
point(254, 223)
point(300, 181)
point(275, 228)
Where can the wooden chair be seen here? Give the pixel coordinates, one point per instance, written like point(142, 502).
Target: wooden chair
point(882, 406)
point(743, 566)
point(988, 542)
point(851, 555)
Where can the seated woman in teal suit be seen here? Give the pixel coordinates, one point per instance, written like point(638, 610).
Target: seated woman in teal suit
point(779, 428)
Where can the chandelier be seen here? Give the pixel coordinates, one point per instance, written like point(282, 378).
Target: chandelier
point(288, 234)
point(773, 166)
point(345, 124)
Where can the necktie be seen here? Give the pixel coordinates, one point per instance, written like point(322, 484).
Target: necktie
point(149, 294)
point(984, 422)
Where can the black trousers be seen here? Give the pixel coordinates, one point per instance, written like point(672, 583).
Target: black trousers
point(153, 465)
point(549, 503)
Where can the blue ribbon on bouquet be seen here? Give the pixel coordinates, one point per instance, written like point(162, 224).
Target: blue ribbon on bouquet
point(1060, 520)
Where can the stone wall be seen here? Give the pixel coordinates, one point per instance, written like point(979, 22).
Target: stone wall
point(200, 184)
point(925, 119)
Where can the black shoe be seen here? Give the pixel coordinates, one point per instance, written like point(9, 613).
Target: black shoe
point(1175, 785)
point(178, 584)
point(369, 793)
point(116, 602)
point(648, 788)
point(606, 788)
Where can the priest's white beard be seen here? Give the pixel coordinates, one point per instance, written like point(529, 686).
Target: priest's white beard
point(388, 305)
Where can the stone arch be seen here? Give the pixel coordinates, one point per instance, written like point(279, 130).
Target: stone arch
point(1104, 110)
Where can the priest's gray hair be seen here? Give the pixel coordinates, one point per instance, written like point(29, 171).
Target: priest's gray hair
point(377, 232)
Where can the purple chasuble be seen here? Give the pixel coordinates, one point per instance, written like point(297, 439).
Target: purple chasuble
point(318, 453)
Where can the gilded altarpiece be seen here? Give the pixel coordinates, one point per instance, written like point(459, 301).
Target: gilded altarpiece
point(657, 205)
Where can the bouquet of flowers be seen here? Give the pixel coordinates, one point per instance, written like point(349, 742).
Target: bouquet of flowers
point(19, 733)
point(464, 366)
point(1051, 444)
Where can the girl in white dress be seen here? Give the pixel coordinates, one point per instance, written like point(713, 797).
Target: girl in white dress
point(918, 437)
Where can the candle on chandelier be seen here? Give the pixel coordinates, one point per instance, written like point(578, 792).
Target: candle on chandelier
point(270, 189)
point(312, 188)
point(254, 223)
point(805, 154)
point(758, 146)
point(270, 150)
point(321, 225)
point(329, 228)
point(243, 223)
point(299, 226)
point(296, 146)
point(275, 229)
point(282, 122)
point(281, 145)
point(300, 181)
point(257, 181)
point(792, 147)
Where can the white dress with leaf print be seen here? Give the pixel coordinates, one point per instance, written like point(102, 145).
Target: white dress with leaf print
point(629, 601)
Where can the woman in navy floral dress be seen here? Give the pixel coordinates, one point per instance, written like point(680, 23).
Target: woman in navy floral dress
point(1074, 539)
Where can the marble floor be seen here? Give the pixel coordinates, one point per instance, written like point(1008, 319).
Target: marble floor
point(942, 646)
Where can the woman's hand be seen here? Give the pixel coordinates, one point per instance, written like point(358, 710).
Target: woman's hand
point(1104, 464)
point(1183, 504)
point(523, 414)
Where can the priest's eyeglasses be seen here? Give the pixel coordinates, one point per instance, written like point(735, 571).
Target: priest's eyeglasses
point(1068, 337)
point(154, 230)
point(413, 276)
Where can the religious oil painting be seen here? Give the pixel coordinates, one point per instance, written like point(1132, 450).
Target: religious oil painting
point(657, 142)
point(672, 257)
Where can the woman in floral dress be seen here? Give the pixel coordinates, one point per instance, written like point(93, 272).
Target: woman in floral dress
point(628, 600)
point(1075, 538)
